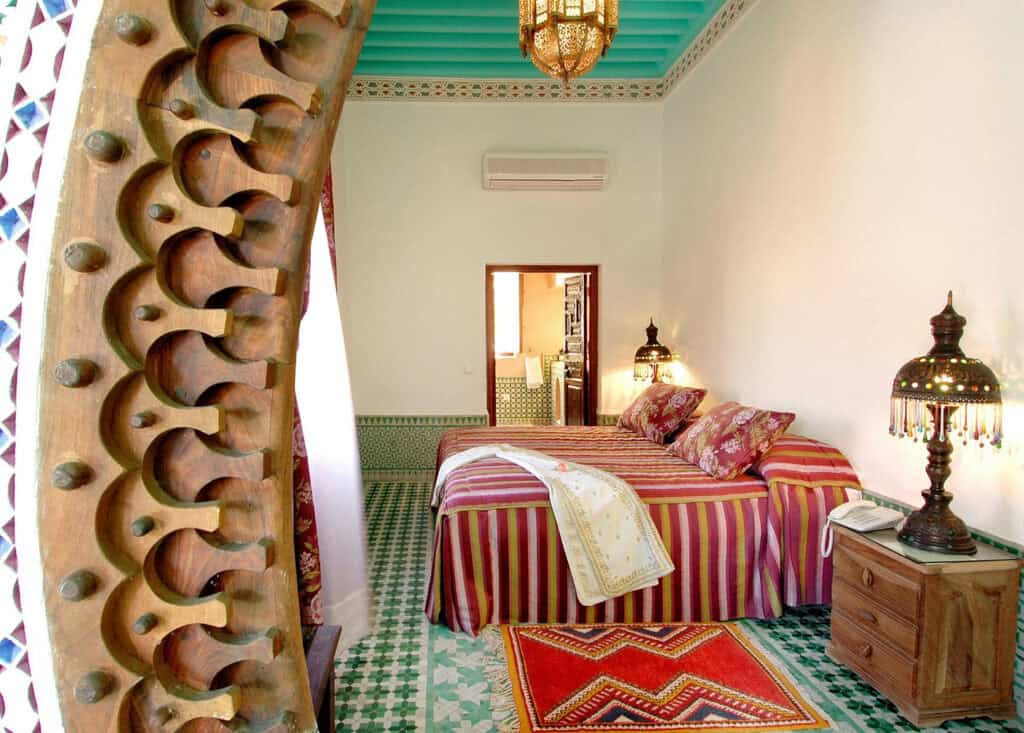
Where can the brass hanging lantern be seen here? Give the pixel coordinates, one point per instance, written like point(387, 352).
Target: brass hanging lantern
point(565, 38)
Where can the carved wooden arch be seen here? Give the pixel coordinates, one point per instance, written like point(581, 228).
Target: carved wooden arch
point(178, 263)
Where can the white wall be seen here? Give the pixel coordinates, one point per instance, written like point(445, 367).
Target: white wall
point(830, 170)
point(415, 230)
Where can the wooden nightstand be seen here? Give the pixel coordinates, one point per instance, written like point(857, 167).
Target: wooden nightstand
point(936, 634)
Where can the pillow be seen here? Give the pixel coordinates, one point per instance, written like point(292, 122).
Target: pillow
point(660, 409)
point(730, 438)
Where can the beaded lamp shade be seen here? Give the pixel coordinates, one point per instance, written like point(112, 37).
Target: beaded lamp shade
point(650, 355)
point(934, 397)
point(565, 38)
point(946, 376)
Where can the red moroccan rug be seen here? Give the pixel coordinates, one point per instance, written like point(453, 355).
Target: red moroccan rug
point(643, 678)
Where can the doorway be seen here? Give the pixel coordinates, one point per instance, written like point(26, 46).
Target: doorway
point(542, 344)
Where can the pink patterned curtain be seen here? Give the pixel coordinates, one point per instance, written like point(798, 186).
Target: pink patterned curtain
point(307, 545)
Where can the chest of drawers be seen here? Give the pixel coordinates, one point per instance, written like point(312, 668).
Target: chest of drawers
point(936, 636)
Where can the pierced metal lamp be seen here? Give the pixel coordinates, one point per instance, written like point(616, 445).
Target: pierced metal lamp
point(649, 357)
point(565, 38)
point(934, 397)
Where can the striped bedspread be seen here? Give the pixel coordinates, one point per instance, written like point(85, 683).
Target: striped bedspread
point(742, 548)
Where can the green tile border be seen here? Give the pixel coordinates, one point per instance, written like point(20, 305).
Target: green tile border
point(409, 442)
point(415, 475)
point(405, 442)
point(998, 542)
point(534, 422)
point(409, 420)
point(516, 402)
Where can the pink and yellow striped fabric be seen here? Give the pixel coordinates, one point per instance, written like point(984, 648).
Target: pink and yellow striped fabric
point(657, 476)
point(800, 461)
point(742, 548)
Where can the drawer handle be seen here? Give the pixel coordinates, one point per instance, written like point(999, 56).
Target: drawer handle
point(866, 615)
point(867, 577)
point(865, 650)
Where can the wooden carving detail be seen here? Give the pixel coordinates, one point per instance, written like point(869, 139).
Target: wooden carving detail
point(191, 188)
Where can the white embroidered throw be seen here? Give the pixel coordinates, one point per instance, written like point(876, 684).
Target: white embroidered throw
point(609, 539)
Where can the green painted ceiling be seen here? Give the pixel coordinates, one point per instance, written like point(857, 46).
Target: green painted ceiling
point(479, 39)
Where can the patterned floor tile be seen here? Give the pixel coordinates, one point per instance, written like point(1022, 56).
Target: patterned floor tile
point(459, 697)
point(381, 681)
point(409, 675)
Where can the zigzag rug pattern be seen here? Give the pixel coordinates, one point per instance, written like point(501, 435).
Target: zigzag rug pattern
point(643, 678)
point(597, 642)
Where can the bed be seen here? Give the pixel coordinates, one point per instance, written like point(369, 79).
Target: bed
point(743, 548)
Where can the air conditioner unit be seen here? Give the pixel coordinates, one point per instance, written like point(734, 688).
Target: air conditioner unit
point(545, 171)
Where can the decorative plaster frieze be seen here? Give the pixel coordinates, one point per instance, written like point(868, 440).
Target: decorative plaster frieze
point(503, 90)
point(719, 25)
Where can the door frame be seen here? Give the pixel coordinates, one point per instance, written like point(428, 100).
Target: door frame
point(590, 364)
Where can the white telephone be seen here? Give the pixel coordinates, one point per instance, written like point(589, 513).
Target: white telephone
point(861, 516)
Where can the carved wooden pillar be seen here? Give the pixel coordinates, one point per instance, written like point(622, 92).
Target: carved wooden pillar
point(202, 140)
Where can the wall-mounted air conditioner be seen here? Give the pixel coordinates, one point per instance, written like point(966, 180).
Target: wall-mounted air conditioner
point(545, 171)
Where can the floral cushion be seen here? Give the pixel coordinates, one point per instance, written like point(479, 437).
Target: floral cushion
point(730, 438)
point(660, 409)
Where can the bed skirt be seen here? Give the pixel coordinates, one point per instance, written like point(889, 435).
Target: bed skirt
point(741, 557)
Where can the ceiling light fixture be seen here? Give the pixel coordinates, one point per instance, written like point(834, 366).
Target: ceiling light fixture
point(565, 38)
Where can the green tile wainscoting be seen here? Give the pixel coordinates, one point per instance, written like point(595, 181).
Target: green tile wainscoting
point(409, 442)
point(1013, 549)
point(405, 442)
point(518, 404)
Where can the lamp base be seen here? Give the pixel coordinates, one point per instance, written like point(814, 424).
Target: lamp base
point(935, 528)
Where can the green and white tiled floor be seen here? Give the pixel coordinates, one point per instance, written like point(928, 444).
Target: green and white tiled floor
point(381, 681)
point(410, 675)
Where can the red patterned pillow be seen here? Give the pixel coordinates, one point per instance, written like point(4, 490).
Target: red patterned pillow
point(660, 409)
point(730, 438)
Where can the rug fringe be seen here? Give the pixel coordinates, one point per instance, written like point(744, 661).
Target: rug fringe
point(496, 669)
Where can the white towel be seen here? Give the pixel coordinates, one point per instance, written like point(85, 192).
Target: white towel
point(534, 378)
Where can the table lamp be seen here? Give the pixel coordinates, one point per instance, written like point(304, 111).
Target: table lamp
point(935, 396)
point(649, 357)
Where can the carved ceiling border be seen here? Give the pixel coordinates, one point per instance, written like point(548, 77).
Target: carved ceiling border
point(430, 89)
